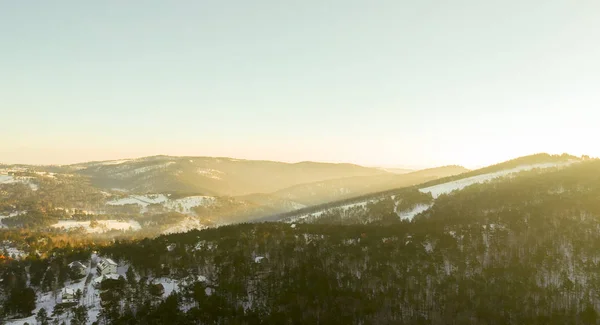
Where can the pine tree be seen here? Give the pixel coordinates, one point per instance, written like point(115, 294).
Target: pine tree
point(80, 316)
point(42, 317)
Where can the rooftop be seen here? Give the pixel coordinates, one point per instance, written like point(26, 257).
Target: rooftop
point(77, 264)
point(107, 261)
point(110, 261)
point(104, 277)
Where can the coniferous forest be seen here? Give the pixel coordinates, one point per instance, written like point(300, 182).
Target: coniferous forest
point(522, 249)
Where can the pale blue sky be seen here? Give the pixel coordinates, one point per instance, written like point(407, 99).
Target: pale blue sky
point(417, 83)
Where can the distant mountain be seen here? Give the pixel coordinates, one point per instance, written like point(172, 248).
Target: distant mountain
point(397, 170)
point(211, 176)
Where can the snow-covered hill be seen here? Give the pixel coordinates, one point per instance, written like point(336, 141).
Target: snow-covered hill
point(448, 187)
point(457, 185)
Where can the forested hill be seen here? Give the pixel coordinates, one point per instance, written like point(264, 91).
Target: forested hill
point(409, 189)
point(153, 195)
point(311, 194)
point(211, 175)
point(512, 250)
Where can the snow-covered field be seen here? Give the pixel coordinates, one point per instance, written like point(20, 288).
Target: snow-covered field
point(182, 205)
point(9, 179)
point(446, 188)
point(103, 225)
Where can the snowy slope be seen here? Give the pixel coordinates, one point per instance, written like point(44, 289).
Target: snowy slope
point(319, 213)
point(438, 190)
point(446, 188)
point(457, 185)
point(9, 179)
point(409, 215)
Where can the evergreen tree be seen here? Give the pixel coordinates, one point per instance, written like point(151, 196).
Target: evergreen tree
point(42, 317)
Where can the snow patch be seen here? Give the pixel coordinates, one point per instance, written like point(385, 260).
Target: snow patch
point(103, 225)
point(317, 214)
point(410, 214)
point(10, 179)
point(446, 188)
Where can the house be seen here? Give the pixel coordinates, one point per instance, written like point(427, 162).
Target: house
point(68, 296)
point(97, 281)
point(78, 268)
point(106, 266)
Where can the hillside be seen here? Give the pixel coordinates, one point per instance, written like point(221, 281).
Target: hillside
point(343, 188)
point(514, 249)
point(431, 189)
point(111, 197)
point(211, 176)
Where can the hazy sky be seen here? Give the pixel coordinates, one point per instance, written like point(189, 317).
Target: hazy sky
point(415, 83)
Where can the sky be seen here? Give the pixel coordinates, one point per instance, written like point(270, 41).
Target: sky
point(378, 83)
